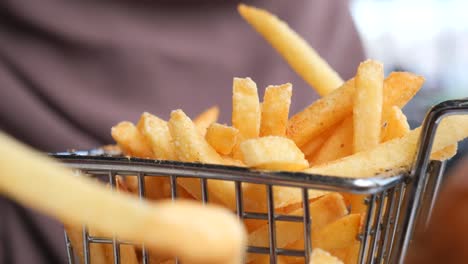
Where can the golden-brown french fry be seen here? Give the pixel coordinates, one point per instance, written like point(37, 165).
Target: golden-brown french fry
point(275, 110)
point(222, 138)
point(445, 153)
point(321, 115)
point(157, 135)
point(245, 107)
point(323, 211)
point(338, 145)
point(206, 118)
point(320, 256)
point(191, 146)
point(367, 110)
point(130, 140)
point(273, 153)
point(397, 154)
point(395, 125)
point(311, 147)
point(294, 49)
point(399, 88)
point(210, 235)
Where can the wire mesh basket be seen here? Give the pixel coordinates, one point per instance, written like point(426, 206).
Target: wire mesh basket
point(396, 205)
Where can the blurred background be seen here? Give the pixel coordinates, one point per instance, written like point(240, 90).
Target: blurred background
point(428, 37)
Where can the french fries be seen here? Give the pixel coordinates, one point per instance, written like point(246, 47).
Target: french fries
point(130, 140)
point(395, 125)
point(156, 133)
point(273, 153)
point(294, 49)
point(323, 211)
point(367, 110)
point(275, 110)
point(396, 155)
point(222, 138)
point(338, 145)
point(399, 88)
point(210, 235)
point(245, 107)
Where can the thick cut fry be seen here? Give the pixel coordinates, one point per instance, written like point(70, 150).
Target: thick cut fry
point(320, 256)
point(210, 235)
point(367, 110)
point(323, 211)
point(205, 119)
point(157, 135)
point(338, 145)
point(294, 49)
point(445, 153)
point(275, 110)
point(395, 125)
point(397, 154)
point(130, 140)
point(399, 88)
point(273, 153)
point(222, 138)
point(311, 147)
point(245, 107)
point(321, 115)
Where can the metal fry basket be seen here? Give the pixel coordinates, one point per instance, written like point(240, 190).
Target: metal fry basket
point(396, 205)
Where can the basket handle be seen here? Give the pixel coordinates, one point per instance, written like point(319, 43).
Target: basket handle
point(418, 175)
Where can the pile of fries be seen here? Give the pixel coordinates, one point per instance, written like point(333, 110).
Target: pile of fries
point(357, 129)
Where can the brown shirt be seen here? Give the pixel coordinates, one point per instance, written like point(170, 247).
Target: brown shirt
point(69, 70)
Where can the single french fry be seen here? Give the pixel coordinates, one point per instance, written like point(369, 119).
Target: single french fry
point(397, 154)
point(399, 88)
point(130, 140)
point(245, 107)
point(222, 138)
point(273, 153)
point(321, 115)
point(210, 235)
point(206, 118)
point(157, 135)
point(338, 145)
point(311, 147)
point(395, 125)
point(320, 256)
point(367, 110)
point(275, 110)
point(323, 211)
point(294, 49)
point(445, 153)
